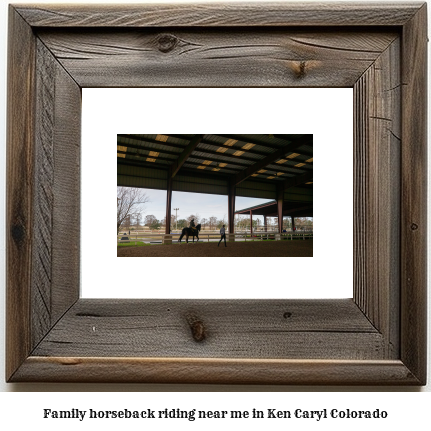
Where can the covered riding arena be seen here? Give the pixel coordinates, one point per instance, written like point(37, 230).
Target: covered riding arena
point(274, 167)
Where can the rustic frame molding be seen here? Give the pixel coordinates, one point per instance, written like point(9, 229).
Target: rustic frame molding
point(379, 337)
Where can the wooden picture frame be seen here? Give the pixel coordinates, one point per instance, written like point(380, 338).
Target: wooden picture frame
point(378, 337)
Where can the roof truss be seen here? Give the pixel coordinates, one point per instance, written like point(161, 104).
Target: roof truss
point(237, 157)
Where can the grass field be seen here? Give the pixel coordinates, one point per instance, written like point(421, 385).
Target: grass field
point(132, 244)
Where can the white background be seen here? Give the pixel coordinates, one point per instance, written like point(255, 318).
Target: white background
point(408, 410)
point(325, 113)
point(405, 411)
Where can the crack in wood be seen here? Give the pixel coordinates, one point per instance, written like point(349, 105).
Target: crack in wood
point(380, 118)
point(394, 135)
point(316, 45)
point(396, 86)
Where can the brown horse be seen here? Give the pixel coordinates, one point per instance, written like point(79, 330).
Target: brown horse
point(188, 231)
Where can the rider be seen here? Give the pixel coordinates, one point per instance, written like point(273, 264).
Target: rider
point(192, 224)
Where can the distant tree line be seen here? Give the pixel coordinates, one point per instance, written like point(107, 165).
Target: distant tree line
point(212, 223)
point(131, 207)
point(152, 222)
point(243, 222)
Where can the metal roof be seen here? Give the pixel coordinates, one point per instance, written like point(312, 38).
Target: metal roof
point(269, 209)
point(257, 165)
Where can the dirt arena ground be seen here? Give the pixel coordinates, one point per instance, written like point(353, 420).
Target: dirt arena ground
point(295, 248)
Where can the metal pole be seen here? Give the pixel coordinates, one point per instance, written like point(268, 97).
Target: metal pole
point(168, 206)
point(231, 208)
point(280, 203)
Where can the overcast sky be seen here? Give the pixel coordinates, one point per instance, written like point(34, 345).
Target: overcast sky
point(204, 205)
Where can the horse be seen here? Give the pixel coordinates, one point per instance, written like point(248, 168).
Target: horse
point(188, 231)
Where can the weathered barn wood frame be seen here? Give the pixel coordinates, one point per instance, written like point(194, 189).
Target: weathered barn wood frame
point(378, 337)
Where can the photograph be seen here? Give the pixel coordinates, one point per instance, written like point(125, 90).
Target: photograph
point(253, 194)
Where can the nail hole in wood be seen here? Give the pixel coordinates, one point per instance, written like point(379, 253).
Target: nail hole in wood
point(287, 314)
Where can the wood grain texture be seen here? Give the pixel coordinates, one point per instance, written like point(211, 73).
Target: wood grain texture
point(414, 195)
point(67, 194)
point(267, 329)
point(19, 200)
point(55, 278)
point(377, 98)
point(43, 190)
point(216, 58)
point(43, 194)
point(216, 14)
point(366, 341)
point(215, 371)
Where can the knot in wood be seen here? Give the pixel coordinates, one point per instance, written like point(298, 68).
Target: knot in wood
point(167, 42)
point(287, 314)
point(299, 68)
point(18, 233)
point(197, 327)
point(414, 226)
point(302, 68)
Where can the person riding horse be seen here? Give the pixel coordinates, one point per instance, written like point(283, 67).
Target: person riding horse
point(192, 230)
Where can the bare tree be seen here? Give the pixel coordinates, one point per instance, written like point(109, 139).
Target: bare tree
point(130, 201)
point(138, 220)
point(192, 216)
point(243, 222)
point(222, 222)
point(213, 222)
point(172, 221)
point(127, 222)
point(287, 223)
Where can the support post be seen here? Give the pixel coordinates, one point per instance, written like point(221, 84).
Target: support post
point(293, 223)
point(231, 207)
point(168, 206)
point(251, 224)
point(280, 200)
point(265, 224)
